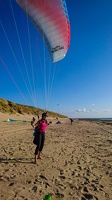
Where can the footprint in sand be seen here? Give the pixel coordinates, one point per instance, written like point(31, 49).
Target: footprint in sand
point(28, 182)
point(87, 196)
point(94, 187)
point(43, 177)
point(59, 195)
point(11, 184)
point(84, 189)
point(61, 171)
point(34, 188)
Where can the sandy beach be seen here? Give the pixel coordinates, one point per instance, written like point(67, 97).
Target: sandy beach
point(76, 162)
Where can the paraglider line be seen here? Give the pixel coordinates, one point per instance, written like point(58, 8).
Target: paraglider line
point(12, 78)
point(14, 56)
point(21, 47)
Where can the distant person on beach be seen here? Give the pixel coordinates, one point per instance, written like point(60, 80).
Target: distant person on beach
point(71, 120)
point(40, 128)
point(32, 122)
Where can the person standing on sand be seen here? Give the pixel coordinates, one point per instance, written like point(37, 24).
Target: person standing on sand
point(71, 120)
point(40, 128)
point(32, 122)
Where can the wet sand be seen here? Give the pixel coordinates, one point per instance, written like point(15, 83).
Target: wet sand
point(76, 162)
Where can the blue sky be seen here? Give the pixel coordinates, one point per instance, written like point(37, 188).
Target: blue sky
point(81, 83)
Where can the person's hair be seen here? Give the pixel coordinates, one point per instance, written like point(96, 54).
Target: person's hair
point(44, 114)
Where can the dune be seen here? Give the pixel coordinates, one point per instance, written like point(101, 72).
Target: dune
point(76, 162)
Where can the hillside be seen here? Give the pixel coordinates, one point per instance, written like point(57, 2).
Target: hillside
point(10, 107)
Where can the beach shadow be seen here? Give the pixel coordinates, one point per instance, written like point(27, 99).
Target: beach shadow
point(16, 160)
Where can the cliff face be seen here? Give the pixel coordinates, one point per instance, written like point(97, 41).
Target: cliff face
point(7, 106)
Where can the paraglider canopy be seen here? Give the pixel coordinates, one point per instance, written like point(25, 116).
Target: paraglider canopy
point(50, 17)
point(58, 104)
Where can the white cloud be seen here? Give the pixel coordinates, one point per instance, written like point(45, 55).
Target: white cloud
point(106, 111)
point(83, 110)
point(93, 110)
point(92, 113)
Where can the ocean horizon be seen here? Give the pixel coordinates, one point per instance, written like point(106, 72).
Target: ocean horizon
point(99, 119)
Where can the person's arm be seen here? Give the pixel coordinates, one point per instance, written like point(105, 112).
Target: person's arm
point(37, 124)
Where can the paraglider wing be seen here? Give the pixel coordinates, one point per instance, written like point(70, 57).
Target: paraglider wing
point(58, 104)
point(51, 19)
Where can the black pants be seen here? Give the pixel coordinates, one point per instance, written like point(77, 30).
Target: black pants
point(40, 142)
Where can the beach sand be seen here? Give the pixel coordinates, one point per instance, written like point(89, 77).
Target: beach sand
point(76, 162)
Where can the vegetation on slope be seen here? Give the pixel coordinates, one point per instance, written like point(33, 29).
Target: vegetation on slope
point(14, 108)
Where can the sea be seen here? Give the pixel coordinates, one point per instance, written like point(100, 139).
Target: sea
point(95, 119)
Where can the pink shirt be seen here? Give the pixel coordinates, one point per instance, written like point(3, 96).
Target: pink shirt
point(43, 126)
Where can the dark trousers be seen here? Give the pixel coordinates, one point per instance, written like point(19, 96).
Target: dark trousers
point(40, 142)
